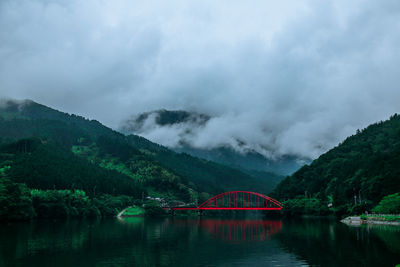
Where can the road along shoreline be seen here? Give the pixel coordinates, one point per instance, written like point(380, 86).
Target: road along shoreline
point(357, 220)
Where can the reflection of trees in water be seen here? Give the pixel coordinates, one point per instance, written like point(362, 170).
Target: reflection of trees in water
point(41, 237)
point(389, 234)
point(325, 243)
point(237, 230)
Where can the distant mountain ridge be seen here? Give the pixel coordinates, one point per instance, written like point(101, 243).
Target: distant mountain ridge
point(187, 123)
point(248, 161)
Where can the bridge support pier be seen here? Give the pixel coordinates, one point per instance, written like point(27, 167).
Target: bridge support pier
point(199, 213)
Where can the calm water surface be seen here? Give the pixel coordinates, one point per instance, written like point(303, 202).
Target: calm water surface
point(197, 242)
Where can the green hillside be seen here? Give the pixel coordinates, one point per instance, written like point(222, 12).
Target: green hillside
point(354, 175)
point(159, 170)
point(44, 165)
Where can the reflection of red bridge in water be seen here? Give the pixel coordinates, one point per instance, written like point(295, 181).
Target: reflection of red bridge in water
point(236, 200)
point(238, 230)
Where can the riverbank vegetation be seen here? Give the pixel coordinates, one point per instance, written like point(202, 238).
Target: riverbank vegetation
point(301, 206)
point(381, 217)
point(134, 211)
point(18, 202)
point(389, 204)
point(387, 210)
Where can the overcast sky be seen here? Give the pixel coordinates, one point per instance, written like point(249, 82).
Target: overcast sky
point(286, 77)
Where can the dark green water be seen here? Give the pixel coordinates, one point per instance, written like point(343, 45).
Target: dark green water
point(192, 242)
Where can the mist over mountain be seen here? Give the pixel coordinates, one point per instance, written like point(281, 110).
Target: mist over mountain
point(156, 125)
point(180, 130)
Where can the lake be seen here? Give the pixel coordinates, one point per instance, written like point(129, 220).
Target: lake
point(197, 242)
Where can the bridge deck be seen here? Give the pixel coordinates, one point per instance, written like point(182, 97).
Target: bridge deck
point(219, 208)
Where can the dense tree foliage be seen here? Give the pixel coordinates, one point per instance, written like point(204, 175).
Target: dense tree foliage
point(388, 205)
point(20, 203)
point(301, 205)
point(358, 172)
point(44, 165)
point(15, 201)
point(62, 204)
point(153, 209)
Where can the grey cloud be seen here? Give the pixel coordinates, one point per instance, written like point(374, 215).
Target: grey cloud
point(286, 78)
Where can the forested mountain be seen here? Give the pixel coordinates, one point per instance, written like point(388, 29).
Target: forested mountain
point(45, 165)
point(184, 125)
point(361, 170)
point(158, 169)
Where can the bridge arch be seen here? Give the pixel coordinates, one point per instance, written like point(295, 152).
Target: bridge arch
point(240, 200)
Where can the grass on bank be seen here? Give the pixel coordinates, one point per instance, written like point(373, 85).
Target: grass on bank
point(381, 217)
point(134, 211)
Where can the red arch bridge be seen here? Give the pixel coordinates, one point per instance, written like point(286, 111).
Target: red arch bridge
point(235, 200)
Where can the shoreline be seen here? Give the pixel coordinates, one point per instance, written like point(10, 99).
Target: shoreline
point(356, 220)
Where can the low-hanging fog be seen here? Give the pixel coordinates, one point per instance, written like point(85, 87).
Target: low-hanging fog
point(283, 77)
